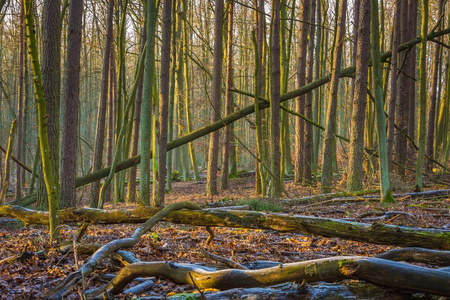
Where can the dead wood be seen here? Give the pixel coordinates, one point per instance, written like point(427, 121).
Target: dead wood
point(74, 278)
point(377, 233)
point(226, 261)
point(374, 270)
point(418, 255)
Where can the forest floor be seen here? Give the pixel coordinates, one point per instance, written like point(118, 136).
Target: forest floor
point(28, 278)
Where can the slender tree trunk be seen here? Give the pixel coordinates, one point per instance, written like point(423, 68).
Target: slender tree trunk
point(423, 97)
point(213, 151)
point(411, 65)
point(20, 104)
point(159, 187)
point(131, 189)
point(307, 155)
point(393, 86)
point(229, 99)
point(71, 98)
point(386, 194)
point(401, 119)
point(276, 178)
point(433, 95)
point(101, 115)
point(300, 102)
point(146, 113)
point(327, 167)
point(356, 155)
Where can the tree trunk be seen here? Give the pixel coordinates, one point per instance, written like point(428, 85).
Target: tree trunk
point(276, 184)
point(229, 100)
point(101, 115)
point(356, 155)
point(300, 101)
point(213, 151)
point(423, 97)
point(327, 168)
point(146, 113)
point(159, 187)
point(71, 98)
point(433, 95)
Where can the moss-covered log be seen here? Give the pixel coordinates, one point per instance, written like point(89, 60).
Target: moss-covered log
point(375, 270)
point(377, 233)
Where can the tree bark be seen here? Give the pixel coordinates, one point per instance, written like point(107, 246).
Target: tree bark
point(213, 151)
point(71, 98)
point(327, 168)
point(300, 101)
point(356, 156)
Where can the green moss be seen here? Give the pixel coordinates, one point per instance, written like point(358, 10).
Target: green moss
point(259, 204)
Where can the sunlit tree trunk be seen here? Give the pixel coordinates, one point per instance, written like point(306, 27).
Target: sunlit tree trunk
point(275, 155)
point(433, 95)
point(300, 101)
point(228, 99)
point(71, 98)
point(213, 151)
point(327, 161)
point(146, 113)
point(356, 155)
point(159, 187)
point(423, 97)
point(393, 86)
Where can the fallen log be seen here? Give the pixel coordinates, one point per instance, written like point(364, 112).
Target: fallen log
point(135, 160)
point(377, 233)
point(74, 278)
point(374, 270)
point(418, 255)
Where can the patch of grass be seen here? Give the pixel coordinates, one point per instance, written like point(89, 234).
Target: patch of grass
point(261, 204)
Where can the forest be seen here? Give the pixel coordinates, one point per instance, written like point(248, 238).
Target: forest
point(225, 149)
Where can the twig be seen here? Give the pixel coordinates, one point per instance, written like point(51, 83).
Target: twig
point(228, 262)
point(198, 289)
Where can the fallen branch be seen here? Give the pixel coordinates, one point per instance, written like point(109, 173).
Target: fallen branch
point(375, 270)
point(226, 261)
point(377, 233)
point(418, 255)
point(75, 278)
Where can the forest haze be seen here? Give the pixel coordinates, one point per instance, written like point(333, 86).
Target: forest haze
point(111, 104)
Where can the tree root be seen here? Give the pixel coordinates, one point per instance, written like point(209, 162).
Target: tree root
point(374, 270)
point(75, 278)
